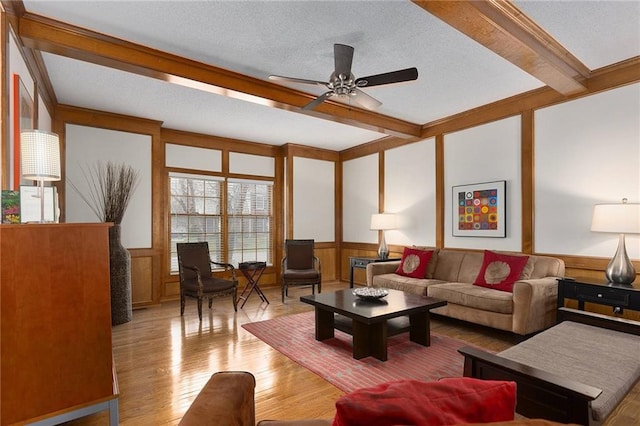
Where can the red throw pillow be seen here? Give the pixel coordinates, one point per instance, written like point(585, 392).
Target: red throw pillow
point(411, 402)
point(414, 262)
point(500, 271)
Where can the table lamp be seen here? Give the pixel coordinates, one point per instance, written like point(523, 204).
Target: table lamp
point(621, 219)
point(40, 159)
point(383, 222)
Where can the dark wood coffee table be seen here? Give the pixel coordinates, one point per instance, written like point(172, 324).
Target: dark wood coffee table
point(370, 322)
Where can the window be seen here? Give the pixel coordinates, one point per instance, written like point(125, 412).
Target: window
point(249, 212)
point(198, 212)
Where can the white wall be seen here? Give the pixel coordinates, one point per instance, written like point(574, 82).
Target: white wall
point(313, 199)
point(409, 182)
point(44, 118)
point(85, 147)
point(490, 152)
point(587, 152)
point(359, 199)
point(191, 157)
point(249, 164)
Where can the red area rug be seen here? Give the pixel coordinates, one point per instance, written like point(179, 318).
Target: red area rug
point(332, 359)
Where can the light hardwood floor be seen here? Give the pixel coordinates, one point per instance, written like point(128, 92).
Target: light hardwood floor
point(163, 360)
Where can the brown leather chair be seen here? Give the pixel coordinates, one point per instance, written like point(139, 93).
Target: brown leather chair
point(300, 266)
point(194, 265)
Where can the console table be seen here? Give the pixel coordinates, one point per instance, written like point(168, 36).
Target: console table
point(55, 320)
point(619, 297)
point(362, 262)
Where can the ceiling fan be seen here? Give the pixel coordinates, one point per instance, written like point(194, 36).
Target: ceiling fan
point(343, 83)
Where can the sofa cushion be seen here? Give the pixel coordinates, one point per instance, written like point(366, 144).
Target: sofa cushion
point(406, 284)
point(414, 262)
point(473, 296)
point(500, 271)
point(457, 265)
point(411, 402)
point(431, 267)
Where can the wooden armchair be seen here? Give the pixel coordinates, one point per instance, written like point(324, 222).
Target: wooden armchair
point(300, 266)
point(196, 281)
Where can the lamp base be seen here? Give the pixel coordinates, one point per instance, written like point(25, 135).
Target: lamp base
point(620, 270)
point(41, 195)
point(383, 251)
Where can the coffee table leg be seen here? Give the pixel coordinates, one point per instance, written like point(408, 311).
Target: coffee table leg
point(419, 328)
point(324, 324)
point(370, 340)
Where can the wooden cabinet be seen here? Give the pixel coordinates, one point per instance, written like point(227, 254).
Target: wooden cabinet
point(55, 321)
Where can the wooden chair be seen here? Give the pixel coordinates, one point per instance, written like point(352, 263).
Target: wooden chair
point(300, 266)
point(196, 281)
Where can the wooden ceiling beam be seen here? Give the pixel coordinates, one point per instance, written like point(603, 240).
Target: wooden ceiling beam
point(44, 34)
point(504, 29)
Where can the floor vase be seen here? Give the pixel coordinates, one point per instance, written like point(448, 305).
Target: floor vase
point(120, 269)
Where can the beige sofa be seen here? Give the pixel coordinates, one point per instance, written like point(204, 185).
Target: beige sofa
point(450, 274)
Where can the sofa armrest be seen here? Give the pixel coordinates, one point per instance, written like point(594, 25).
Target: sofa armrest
point(534, 304)
point(379, 268)
point(228, 398)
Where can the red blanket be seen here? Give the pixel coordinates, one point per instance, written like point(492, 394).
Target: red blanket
point(445, 402)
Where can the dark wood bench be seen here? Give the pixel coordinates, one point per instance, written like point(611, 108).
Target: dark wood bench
point(550, 388)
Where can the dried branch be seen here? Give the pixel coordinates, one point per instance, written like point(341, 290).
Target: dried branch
point(111, 186)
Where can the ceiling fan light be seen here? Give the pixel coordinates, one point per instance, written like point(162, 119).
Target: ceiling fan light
point(342, 82)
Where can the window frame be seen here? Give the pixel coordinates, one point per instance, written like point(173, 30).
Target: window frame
point(253, 218)
point(225, 252)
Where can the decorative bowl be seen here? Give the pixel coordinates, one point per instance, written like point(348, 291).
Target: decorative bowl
point(370, 293)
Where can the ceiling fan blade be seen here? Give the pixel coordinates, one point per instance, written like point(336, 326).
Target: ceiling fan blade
point(388, 78)
point(343, 56)
point(369, 102)
point(317, 101)
point(297, 80)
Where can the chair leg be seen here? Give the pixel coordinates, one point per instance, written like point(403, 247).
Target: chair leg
point(283, 291)
point(313, 289)
point(235, 299)
point(200, 308)
point(319, 286)
point(210, 302)
point(182, 303)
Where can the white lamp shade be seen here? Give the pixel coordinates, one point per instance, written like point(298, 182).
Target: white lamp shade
point(617, 218)
point(39, 155)
point(383, 221)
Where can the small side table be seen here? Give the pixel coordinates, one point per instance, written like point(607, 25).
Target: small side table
point(619, 297)
point(252, 272)
point(362, 262)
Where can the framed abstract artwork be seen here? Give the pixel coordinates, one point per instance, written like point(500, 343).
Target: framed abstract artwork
point(479, 210)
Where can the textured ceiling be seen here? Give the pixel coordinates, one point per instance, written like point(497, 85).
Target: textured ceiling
point(295, 38)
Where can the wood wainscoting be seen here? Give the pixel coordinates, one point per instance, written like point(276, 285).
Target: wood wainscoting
point(327, 253)
point(145, 271)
